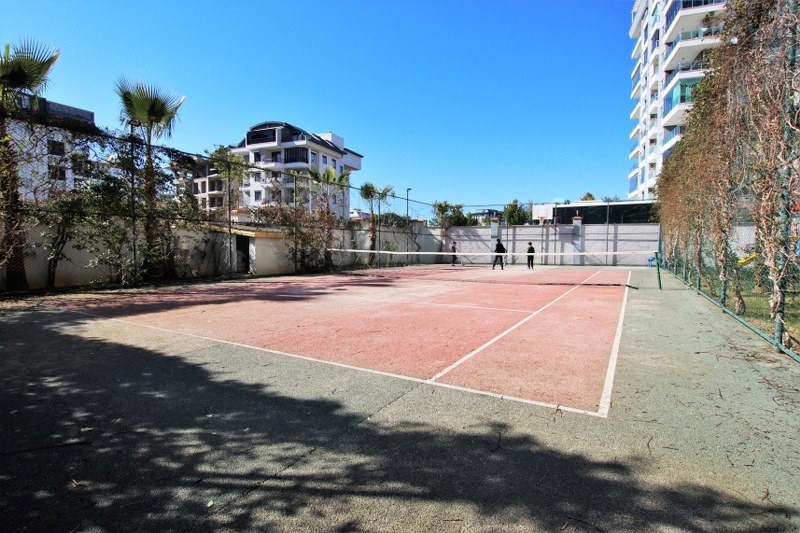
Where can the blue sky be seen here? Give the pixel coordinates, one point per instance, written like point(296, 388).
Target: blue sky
point(472, 102)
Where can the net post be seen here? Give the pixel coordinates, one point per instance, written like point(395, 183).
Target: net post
point(658, 270)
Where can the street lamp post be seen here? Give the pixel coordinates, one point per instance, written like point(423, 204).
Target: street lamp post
point(133, 124)
point(408, 222)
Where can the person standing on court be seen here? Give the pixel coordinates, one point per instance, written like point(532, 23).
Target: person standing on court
point(498, 249)
point(531, 251)
point(453, 248)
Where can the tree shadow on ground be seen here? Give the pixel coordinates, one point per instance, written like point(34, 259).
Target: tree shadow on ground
point(139, 301)
point(98, 434)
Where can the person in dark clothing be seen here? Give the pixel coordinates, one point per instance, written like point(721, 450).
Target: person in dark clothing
point(531, 251)
point(453, 249)
point(498, 249)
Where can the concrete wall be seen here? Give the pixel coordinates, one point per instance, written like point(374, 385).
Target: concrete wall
point(561, 239)
point(203, 254)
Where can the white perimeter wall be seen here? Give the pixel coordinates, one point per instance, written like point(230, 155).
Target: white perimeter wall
point(201, 254)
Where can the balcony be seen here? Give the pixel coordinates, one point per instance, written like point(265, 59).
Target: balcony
point(672, 137)
point(262, 137)
point(678, 103)
point(294, 139)
point(698, 66)
point(637, 129)
point(684, 15)
point(637, 111)
point(636, 92)
point(274, 162)
point(637, 49)
point(691, 44)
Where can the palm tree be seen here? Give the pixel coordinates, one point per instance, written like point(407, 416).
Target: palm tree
point(369, 193)
point(382, 195)
point(152, 113)
point(24, 71)
point(326, 179)
point(372, 194)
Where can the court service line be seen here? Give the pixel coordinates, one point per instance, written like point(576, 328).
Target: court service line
point(419, 381)
point(605, 397)
point(479, 349)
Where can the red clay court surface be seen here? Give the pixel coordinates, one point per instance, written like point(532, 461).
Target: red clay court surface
point(547, 336)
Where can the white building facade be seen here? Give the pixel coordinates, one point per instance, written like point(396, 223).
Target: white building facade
point(274, 153)
point(672, 39)
point(50, 140)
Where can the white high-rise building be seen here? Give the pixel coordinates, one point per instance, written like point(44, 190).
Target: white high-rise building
point(672, 39)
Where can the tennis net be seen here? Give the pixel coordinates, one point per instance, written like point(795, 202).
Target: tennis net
point(357, 258)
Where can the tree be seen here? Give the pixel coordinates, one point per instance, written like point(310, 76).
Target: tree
point(741, 146)
point(515, 214)
point(152, 113)
point(24, 71)
point(325, 180)
point(374, 196)
point(588, 197)
point(447, 215)
point(458, 218)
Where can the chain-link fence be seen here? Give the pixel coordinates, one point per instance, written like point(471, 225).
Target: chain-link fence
point(742, 283)
point(108, 209)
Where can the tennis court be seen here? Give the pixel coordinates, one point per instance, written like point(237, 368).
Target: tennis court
point(547, 336)
point(430, 398)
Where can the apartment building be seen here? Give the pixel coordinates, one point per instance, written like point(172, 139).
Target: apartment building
point(52, 148)
point(275, 152)
point(672, 40)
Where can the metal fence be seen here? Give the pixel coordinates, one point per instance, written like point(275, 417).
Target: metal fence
point(745, 291)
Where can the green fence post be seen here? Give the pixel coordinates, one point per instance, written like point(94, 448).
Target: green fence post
point(658, 270)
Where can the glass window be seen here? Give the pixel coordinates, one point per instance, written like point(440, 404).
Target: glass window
point(57, 173)
point(257, 196)
point(313, 159)
point(324, 159)
point(55, 147)
point(256, 157)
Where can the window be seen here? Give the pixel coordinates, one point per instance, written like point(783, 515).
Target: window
point(298, 155)
point(276, 175)
point(333, 163)
point(202, 187)
point(55, 147)
point(257, 196)
point(57, 173)
point(324, 159)
point(313, 158)
point(256, 157)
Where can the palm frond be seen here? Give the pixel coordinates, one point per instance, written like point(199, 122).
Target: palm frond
point(148, 105)
point(25, 67)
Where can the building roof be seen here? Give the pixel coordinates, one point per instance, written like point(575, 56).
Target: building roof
point(313, 137)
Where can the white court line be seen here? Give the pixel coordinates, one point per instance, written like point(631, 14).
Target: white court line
point(506, 332)
point(349, 367)
point(605, 398)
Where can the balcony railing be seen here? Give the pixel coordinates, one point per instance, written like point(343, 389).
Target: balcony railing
point(676, 6)
point(702, 33)
point(672, 134)
point(698, 64)
point(261, 136)
point(636, 77)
